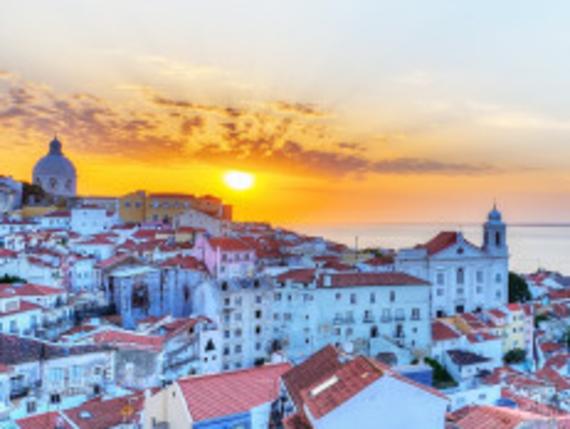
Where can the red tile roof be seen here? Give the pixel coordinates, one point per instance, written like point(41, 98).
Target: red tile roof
point(333, 390)
point(371, 279)
point(103, 414)
point(550, 347)
point(7, 253)
point(552, 376)
point(229, 244)
point(321, 364)
point(380, 261)
point(24, 307)
point(28, 289)
point(224, 394)
point(52, 419)
point(184, 262)
point(125, 339)
point(441, 331)
point(488, 417)
point(440, 242)
point(301, 275)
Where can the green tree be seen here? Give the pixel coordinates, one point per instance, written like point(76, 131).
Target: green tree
point(6, 279)
point(441, 378)
point(518, 289)
point(515, 356)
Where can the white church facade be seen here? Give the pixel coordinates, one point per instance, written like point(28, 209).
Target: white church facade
point(464, 277)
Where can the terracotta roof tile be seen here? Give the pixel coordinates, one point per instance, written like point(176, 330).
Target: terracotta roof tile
point(218, 395)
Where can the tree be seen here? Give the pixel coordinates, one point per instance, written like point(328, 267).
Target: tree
point(515, 356)
point(518, 289)
point(6, 279)
point(441, 378)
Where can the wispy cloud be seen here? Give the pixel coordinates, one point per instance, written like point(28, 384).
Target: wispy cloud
point(275, 135)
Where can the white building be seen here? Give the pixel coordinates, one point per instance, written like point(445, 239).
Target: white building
point(197, 219)
point(89, 220)
point(10, 194)
point(465, 277)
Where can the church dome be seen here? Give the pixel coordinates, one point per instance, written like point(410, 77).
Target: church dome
point(55, 173)
point(495, 215)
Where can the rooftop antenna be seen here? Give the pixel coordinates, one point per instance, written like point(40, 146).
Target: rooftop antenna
point(356, 248)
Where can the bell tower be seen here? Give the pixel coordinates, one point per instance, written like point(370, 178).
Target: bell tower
point(495, 234)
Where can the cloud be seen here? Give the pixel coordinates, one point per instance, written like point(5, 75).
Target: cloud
point(280, 136)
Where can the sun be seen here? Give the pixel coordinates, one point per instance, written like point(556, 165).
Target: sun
point(239, 180)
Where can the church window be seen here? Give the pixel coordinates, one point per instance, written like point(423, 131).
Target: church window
point(479, 276)
point(460, 276)
point(440, 278)
point(498, 239)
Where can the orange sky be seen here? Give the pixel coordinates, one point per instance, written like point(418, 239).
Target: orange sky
point(409, 114)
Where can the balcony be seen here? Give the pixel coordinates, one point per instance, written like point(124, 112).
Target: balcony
point(399, 318)
point(368, 319)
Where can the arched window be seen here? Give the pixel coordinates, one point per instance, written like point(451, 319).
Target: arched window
point(498, 239)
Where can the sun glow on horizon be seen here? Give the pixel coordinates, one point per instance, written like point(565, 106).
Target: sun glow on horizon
point(239, 180)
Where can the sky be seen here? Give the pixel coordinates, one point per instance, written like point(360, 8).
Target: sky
point(359, 111)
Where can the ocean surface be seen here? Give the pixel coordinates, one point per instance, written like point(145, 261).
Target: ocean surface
point(531, 245)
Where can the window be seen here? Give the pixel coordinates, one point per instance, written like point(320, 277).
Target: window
point(226, 302)
point(353, 298)
point(258, 299)
point(386, 315)
point(258, 314)
point(415, 314)
point(237, 317)
point(226, 334)
point(237, 348)
point(392, 296)
point(237, 333)
point(479, 289)
point(479, 276)
point(287, 316)
point(276, 316)
point(372, 298)
point(440, 279)
point(258, 330)
point(277, 296)
point(237, 301)
point(440, 292)
point(460, 276)
point(498, 239)
point(498, 278)
point(460, 291)
point(338, 296)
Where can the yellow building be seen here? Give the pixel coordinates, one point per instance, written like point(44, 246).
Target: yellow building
point(132, 207)
point(138, 207)
point(515, 330)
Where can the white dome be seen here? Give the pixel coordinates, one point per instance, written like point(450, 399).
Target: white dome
point(55, 173)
